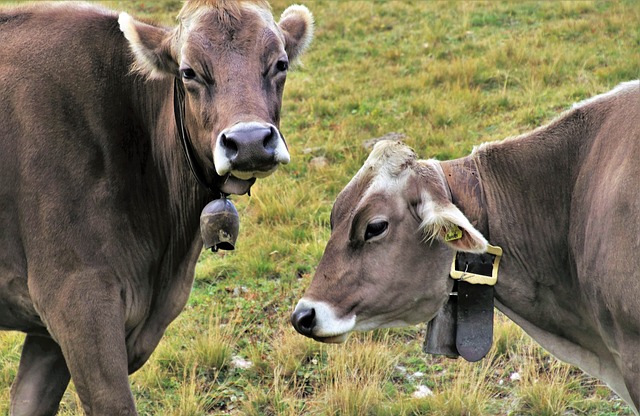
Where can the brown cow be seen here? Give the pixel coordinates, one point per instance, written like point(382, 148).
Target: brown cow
point(99, 211)
point(562, 202)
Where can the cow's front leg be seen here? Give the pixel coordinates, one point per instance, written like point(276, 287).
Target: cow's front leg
point(42, 378)
point(631, 369)
point(85, 314)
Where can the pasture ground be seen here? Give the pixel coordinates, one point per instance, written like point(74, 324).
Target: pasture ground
point(445, 76)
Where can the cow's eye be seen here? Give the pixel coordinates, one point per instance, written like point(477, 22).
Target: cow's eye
point(375, 229)
point(187, 73)
point(282, 65)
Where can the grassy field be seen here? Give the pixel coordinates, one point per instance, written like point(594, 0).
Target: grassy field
point(445, 76)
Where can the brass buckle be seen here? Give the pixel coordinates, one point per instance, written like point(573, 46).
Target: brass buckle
point(479, 279)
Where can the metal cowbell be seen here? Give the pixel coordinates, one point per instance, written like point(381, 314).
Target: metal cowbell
point(219, 225)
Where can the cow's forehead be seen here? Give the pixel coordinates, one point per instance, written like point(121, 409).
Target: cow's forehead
point(230, 8)
point(386, 167)
point(239, 28)
point(385, 170)
point(231, 15)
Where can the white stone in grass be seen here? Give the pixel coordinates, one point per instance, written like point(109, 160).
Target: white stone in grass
point(237, 291)
point(239, 362)
point(402, 370)
point(422, 392)
point(514, 377)
point(319, 162)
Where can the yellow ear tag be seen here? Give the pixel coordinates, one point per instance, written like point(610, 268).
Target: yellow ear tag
point(454, 233)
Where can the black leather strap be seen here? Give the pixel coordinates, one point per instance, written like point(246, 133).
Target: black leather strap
point(474, 329)
point(185, 139)
point(464, 325)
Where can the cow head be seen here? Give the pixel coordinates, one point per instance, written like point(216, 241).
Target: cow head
point(232, 59)
point(386, 263)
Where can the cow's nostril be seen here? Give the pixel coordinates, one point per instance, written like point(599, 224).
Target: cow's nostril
point(271, 140)
point(304, 320)
point(229, 143)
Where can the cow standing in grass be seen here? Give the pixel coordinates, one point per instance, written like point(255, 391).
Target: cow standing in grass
point(99, 210)
point(563, 203)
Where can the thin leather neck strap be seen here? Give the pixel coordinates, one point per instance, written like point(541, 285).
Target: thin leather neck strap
point(185, 139)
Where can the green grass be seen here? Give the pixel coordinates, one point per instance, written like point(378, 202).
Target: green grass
point(447, 76)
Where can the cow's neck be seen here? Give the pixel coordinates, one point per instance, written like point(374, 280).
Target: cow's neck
point(168, 192)
point(517, 193)
point(166, 202)
point(527, 184)
point(185, 195)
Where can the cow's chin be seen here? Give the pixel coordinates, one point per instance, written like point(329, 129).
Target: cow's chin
point(236, 186)
point(335, 339)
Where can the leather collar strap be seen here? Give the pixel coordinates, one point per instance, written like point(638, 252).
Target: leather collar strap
point(474, 325)
point(464, 326)
point(185, 140)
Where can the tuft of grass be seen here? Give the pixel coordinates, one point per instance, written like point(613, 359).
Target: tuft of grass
point(355, 378)
point(363, 359)
point(277, 399)
point(291, 353)
point(213, 348)
point(10, 347)
point(469, 393)
point(351, 397)
point(549, 388)
point(192, 395)
point(150, 379)
point(507, 336)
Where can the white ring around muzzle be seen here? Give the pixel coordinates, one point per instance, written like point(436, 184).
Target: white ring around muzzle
point(327, 323)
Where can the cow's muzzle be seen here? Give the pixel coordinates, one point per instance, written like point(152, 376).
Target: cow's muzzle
point(249, 150)
point(317, 320)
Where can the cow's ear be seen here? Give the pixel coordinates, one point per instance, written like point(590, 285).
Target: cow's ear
point(449, 225)
point(151, 47)
point(440, 218)
point(296, 23)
